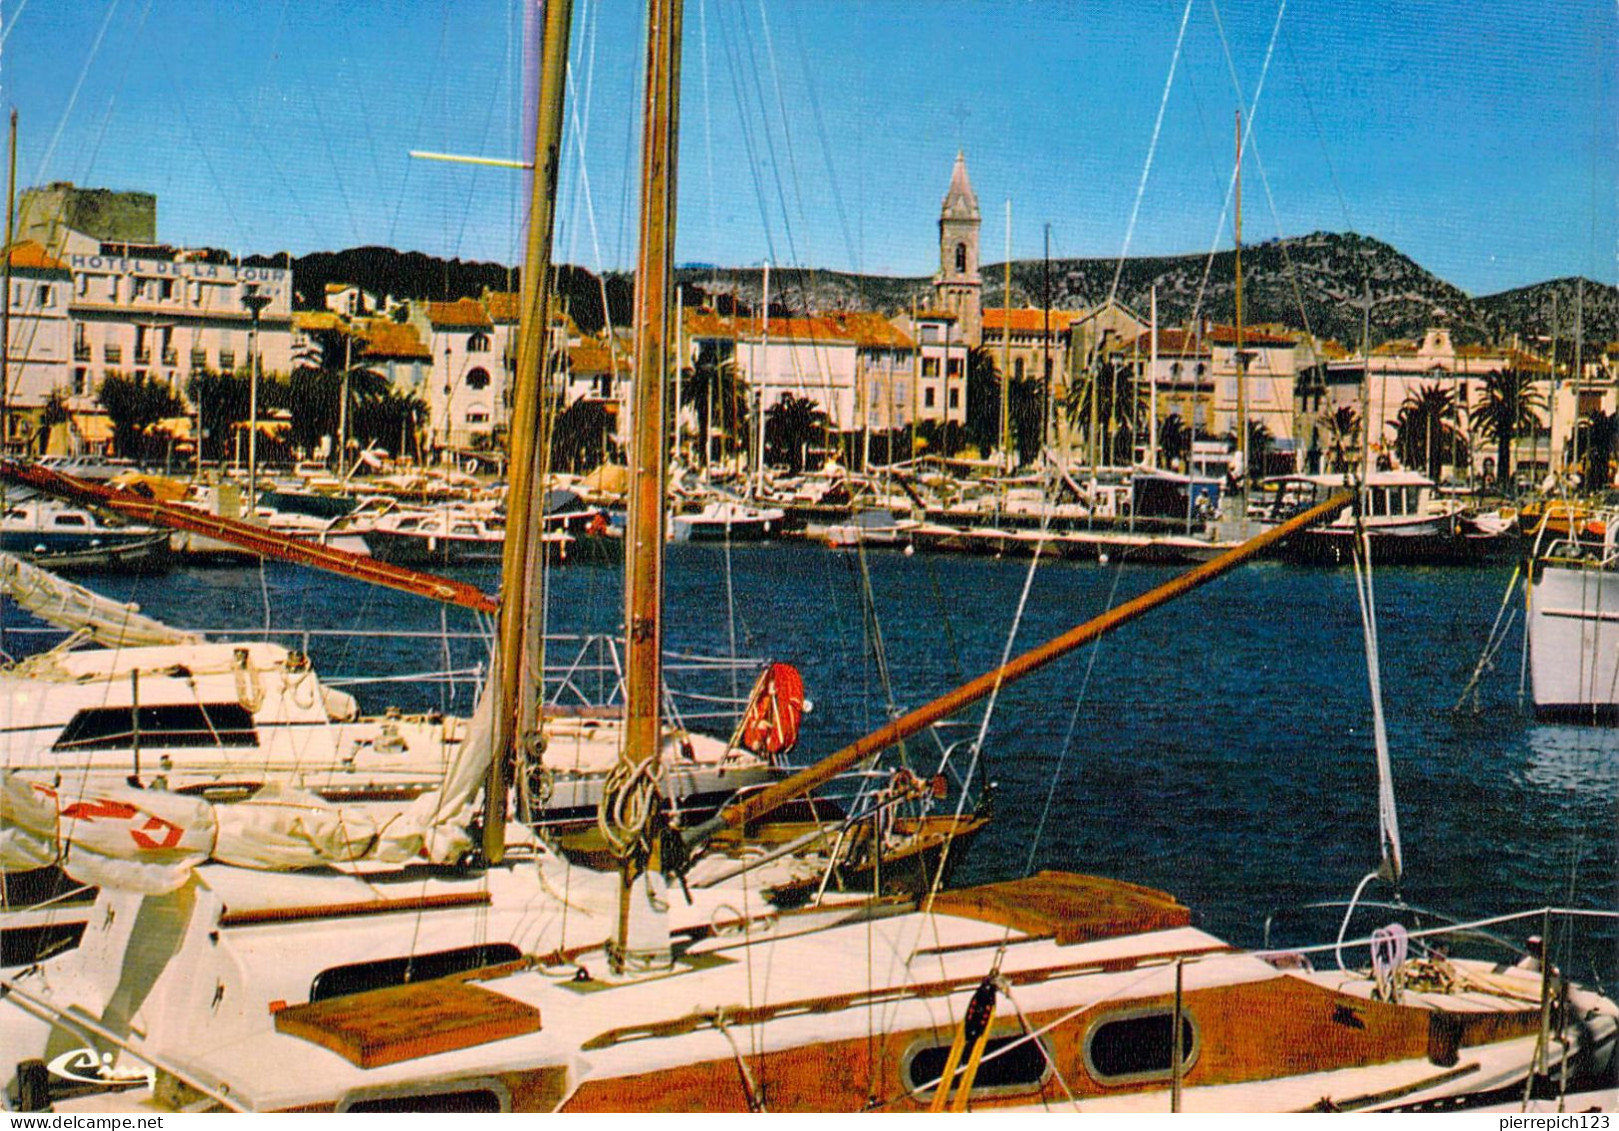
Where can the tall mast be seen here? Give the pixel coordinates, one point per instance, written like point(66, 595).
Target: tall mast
point(1006, 348)
point(5, 302)
point(1242, 361)
point(1045, 347)
point(643, 543)
point(759, 391)
point(1152, 388)
point(521, 609)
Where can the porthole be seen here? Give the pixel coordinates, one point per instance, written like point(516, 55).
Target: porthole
point(1011, 1064)
point(1135, 1045)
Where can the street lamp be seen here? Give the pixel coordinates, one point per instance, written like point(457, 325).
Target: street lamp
point(255, 304)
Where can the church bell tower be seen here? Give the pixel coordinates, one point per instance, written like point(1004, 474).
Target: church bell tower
point(957, 288)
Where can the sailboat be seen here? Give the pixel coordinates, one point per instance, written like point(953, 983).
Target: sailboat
point(514, 982)
point(1573, 593)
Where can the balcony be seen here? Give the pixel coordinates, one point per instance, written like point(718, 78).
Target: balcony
point(81, 351)
point(143, 355)
point(112, 355)
point(227, 361)
point(199, 359)
point(171, 356)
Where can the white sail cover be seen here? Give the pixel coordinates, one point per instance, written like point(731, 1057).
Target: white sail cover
point(77, 609)
point(149, 840)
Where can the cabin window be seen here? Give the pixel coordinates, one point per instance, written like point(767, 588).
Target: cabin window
point(1396, 501)
point(358, 977)
point(481, 1096)
point(464, 528)
point(71, 520)
point(1021, 1066)
point(1413, 500)
point(1136, 1046)
point(174, 725)
point(408, 524)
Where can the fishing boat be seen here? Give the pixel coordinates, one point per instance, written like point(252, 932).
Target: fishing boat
point(726, 520)
point(63, 536)
point(1399, 510)
point(449, 977)
point(1574, 623)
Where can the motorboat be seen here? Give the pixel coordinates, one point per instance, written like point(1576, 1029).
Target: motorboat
point(50, 531)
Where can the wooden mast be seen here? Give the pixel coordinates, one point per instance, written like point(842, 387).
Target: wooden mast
point(644, 537)
point(1242, 361)
point(757, 805)
point(5, 299)
point(520, 681)
point(1007, 463)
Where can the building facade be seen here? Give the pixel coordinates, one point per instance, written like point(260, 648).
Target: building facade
point(39, 333)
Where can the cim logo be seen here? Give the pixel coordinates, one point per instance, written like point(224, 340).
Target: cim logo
point(83, 1066)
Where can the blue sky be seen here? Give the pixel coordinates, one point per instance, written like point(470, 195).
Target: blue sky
point(1478, 138)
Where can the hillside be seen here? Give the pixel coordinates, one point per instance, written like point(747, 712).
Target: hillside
point(1315, 281)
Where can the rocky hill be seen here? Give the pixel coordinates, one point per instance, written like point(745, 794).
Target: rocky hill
point(1316, 282)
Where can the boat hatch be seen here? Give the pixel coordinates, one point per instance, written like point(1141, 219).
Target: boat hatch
point(165, 725)
point(1134, 1045)
point(1067, 907)
point(1011, 1064)
point(359, 977)
point(401, 1023)
point(481, 1096)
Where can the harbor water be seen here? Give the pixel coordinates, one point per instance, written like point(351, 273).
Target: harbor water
point(1221, 748)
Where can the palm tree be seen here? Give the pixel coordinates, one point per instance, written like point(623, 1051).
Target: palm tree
point(711, 387)
point(791, 425)
point(1343, 425)
point(1597, 449)
point(579, 436)
point(1425, 432)
point(135, 405)
point(983, 400)
point(1507, 406)
point(316, 390)
point(1175, 438)
point(1260, 442)
point(1120, 403)
point(222, 401)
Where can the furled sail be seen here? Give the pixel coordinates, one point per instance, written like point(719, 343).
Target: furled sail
point(78, 610)
point(148, 840)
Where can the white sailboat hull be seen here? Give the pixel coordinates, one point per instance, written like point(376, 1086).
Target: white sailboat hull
point(1574, 642)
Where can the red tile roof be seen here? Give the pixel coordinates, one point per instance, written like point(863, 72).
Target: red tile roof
point(1171, 343)
point(463, 313)
point(386, 338)
point(28, 255)
point(1029, 319)
point(503, 306)
point(862, 328)
point(1251, 336)
point(307, 320)
point(591, 358)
